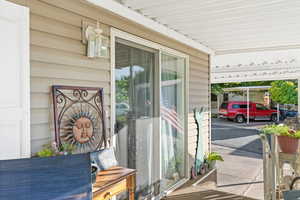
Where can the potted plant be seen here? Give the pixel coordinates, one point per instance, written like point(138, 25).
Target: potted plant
point(288, 139)
point(53, 150)
point(212, 158)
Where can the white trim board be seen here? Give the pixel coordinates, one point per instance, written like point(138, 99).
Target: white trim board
point(149, 23)
point(127, 36)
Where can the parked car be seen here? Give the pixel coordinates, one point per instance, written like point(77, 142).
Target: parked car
point(237, 111)
point(284, 113)
point(122, 108)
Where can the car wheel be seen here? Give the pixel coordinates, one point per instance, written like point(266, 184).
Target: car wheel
point(239, 119)
point(274, 118)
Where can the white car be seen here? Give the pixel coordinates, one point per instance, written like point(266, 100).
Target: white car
point(122, 108)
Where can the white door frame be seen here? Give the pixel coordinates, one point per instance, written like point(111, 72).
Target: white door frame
point(116, 33)
point(19, 113)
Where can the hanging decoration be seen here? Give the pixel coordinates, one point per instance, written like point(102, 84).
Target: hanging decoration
point(97, 44)
point(79, 117)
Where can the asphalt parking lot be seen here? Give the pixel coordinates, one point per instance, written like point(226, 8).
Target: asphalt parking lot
point(243, 137)
point(242, 171)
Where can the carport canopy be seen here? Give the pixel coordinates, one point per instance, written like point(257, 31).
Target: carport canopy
point(257, 66)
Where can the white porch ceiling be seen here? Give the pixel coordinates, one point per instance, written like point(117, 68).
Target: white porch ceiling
point(228, 26)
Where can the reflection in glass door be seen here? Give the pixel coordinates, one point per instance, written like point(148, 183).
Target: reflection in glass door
point(135, 109)
point(172, 110)
point(150, 116)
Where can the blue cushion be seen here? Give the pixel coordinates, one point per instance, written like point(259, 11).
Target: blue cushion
point(291, 195)
point(104, 159)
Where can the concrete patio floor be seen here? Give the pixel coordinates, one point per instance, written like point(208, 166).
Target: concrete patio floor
point(208, 195)
point(241, 173)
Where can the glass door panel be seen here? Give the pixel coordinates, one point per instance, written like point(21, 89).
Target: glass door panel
point(172, 108)
point(135, 110)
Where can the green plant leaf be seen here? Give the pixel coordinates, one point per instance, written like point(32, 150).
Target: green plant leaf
point(214, 156)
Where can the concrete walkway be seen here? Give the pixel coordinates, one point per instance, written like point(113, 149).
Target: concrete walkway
point(241, 173)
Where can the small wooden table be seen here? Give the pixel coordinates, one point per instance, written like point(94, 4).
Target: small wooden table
point(113, 181)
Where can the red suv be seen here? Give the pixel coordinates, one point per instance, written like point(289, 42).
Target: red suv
point(237, 110)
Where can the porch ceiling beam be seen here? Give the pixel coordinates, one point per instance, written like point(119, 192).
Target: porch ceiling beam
point(270, 48)
point(138, 18)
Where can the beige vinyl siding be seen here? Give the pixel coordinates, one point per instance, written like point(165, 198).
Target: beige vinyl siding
point(58, 57)
point(198, 97)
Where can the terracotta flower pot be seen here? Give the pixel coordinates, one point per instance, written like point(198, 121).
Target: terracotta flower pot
point(288, 144)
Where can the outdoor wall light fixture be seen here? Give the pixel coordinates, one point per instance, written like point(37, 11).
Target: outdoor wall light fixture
point(97, 44)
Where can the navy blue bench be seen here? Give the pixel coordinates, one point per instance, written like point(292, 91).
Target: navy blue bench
point(52, 178)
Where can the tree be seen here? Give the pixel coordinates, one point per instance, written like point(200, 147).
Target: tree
point(122, 87)
point(284, 92)
point(216, 89)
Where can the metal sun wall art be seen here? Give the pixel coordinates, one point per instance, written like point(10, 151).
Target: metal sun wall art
point(79, 118)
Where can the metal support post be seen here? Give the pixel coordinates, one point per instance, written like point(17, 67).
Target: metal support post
point(248, 106)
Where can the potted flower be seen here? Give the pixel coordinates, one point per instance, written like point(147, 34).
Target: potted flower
point(288, 139)
point(212, 158)
point(53, 150)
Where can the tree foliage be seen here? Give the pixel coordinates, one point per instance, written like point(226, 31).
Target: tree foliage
point(218, 87)
point(122, 87)
point(284, 92)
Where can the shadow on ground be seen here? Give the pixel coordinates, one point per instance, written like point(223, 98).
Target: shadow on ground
point(208, 195)
point(253, 147)
point(238, 184)
point(229, 132)
point(238, 136)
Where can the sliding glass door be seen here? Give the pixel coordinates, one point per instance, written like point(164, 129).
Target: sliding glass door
point(136, 110)
point(172, 110)
point(150, 115)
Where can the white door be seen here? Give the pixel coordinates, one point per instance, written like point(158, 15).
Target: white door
point(14, 81)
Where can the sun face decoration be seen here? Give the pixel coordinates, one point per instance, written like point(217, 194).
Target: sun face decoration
point(79, 117)
point(81, 128)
